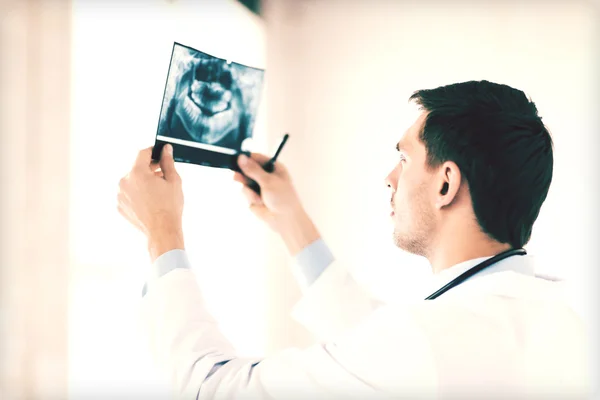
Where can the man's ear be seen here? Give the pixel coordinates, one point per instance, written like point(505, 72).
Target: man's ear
point(449, 183)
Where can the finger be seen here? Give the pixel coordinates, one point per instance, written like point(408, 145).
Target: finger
point(260, 158)
point(128, 218)
point(124, 208)
point(251, 196)
point(263, 159)
point(260, 211)
point(167, 163)
point(154, 166)
point(125, 190)
point(253, 170)
point(238, 177)
point(144, 158)
point(123, 213)
point(124, 203)
point(122, 197)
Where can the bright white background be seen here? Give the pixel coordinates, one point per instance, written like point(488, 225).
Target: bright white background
point(121, 54)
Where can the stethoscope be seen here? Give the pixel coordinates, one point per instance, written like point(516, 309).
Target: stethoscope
point(476, 269)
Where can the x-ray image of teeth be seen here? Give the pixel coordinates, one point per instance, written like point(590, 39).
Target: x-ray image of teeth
point(209, 100)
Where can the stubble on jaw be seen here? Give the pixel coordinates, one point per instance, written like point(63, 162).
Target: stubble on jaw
point(417, 237)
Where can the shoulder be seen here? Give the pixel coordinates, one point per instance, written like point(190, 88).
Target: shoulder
point(495, 306)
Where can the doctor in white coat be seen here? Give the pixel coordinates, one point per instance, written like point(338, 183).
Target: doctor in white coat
point(472, 174)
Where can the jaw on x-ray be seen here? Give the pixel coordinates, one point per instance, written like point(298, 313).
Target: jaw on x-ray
point(209, 108)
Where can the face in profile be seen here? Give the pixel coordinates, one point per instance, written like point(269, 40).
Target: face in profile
point(207, 104)
point(412, 190)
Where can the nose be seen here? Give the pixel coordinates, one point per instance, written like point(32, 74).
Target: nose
point(390, 180)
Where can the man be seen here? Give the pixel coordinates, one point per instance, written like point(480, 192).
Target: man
point(472, 174)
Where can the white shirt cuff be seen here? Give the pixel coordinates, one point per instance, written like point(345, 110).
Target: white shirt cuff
point(312, 261)
point(166, 263)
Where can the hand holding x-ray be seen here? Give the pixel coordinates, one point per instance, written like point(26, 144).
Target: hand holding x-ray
point(278, 205)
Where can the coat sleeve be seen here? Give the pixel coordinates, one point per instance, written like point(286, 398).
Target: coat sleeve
point(334, 303)
point(186, 341)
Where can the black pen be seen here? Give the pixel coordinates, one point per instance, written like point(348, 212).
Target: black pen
point(269, 165)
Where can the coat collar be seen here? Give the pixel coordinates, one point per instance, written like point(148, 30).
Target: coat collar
point(514, 276)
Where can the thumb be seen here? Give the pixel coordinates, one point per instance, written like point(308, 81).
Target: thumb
point(167, 164)
point(252, 169)
point(260, 211)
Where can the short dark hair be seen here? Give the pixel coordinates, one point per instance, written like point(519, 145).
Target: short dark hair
point(497, 139)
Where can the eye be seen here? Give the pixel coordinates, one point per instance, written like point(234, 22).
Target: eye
point(402, 157)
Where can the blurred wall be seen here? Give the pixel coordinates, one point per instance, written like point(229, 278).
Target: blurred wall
point(34, 183)
point(341, 74)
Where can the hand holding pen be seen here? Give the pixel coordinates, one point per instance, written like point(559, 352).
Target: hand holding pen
point(269, 166)
point(278, 204)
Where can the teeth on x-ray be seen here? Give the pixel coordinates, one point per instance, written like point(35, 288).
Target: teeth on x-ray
point(208, 100)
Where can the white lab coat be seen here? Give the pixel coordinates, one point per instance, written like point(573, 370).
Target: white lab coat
point(500, 336)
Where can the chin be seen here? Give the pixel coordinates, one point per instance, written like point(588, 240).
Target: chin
point(408, 243)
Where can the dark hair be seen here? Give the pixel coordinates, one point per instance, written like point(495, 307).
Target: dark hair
point(494, 134)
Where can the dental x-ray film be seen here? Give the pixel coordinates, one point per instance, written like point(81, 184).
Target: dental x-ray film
point(209, 108)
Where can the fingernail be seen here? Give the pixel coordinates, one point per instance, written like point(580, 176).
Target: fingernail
point(243, 160)
point(169, 149)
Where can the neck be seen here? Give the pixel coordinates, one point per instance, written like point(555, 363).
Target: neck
point(458, 248)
